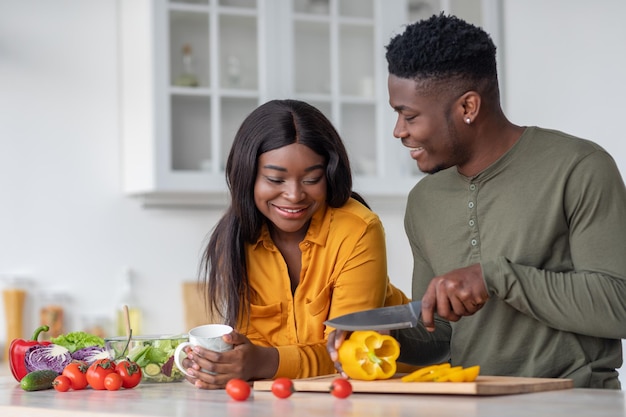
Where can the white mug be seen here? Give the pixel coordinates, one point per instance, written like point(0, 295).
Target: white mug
point(209, 336)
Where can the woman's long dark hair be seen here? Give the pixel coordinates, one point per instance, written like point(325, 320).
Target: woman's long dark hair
point(277, 123)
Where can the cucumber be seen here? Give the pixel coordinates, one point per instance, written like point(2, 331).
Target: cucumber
point(152, 369)
point(38, 380)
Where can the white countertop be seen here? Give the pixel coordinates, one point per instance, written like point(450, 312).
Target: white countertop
point(184, 400)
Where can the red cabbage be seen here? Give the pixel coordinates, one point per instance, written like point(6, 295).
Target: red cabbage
point(53, 357)
point(90, 354)
point(166, 369)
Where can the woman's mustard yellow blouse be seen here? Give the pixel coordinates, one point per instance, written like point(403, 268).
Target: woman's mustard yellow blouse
point(344, 269)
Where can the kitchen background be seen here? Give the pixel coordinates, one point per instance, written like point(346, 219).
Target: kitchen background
point(68, 229)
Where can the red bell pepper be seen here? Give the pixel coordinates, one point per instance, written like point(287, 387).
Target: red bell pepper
point(17, 352)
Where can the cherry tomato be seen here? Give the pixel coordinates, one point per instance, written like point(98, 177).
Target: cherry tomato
point(61, 383)
point(76, 371)
point(341, 388)
point(98, 371)
point(283, 387)
point(130, 373)
point(113, 381)
point(238, 389)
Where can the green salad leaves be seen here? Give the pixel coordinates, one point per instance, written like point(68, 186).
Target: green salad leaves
point(77, 340)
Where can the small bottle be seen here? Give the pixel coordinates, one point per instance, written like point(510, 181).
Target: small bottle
point(127, 298)
point(188, 76)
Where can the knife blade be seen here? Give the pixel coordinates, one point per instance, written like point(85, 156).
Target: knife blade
point(383, 318)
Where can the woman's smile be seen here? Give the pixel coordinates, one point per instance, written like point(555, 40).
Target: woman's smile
point(290, 187)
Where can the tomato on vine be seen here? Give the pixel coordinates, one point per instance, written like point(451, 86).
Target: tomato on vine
point(130, 373)
point(76, 371)
point(113, 381)
point(238, 389)
point(98, 371)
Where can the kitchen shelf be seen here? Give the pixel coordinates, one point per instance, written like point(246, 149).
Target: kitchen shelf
point(177, 133)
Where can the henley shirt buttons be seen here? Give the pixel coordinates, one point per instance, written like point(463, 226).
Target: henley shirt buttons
point(472, 187)
point(471, 223)
point(474, 242)
point(471, 204)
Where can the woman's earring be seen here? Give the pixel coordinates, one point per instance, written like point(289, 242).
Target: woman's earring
point(468, 120)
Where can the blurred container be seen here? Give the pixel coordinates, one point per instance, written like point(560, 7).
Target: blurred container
point(96, 325)
point(52, 313)
point(127, 298)
point(14, 299)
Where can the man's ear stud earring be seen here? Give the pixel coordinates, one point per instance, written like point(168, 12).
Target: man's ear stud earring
point(468, 120)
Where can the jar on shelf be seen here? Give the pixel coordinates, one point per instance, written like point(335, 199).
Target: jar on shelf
point(52, 313)
point(14, 299)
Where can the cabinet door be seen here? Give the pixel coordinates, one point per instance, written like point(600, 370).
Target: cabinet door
point(192, 70)
point(334, 69)
point(214, 79)
point(190, 74)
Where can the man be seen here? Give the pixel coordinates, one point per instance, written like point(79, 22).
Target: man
point(518, 234)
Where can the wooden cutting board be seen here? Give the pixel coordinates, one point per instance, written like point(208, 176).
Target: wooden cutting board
point(484, 385)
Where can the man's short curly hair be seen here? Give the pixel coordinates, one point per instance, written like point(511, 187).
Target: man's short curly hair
point(443, 48)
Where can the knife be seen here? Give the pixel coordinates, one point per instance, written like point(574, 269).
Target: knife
point(384, 318)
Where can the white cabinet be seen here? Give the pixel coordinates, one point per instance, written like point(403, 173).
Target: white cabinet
point(192, 70)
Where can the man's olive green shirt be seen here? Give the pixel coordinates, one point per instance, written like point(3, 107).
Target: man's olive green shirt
point(547, 223)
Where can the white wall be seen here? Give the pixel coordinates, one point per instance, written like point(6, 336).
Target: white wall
point(64, 222)
point(564, 69)
point(564, 65)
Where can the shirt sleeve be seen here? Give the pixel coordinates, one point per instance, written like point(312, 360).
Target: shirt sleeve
point(589, 298)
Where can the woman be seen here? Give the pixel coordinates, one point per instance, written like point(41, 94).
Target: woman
point(295, 248)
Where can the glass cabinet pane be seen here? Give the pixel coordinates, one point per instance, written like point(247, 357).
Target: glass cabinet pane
point(421, 9)
point(201, 2)
point(190, 127)
point(247, 4)
point(356, 8)
point(312, 57)
point(358, 133)
point(189, 46)
point(356, 60)
point(238, 52)
point(318, 7)
point(234, 110)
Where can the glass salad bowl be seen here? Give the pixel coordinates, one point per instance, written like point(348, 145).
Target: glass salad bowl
point(154, 354)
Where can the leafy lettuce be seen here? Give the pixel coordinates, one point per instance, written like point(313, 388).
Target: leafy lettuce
point(77, 340)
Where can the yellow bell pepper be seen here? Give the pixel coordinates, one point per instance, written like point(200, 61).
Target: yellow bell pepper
point(368, 355)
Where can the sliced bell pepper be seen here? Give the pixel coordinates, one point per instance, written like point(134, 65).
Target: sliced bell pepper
point(443, 373)
point(17, 352)
point(426, 373)
point(464, 375)
point(368, 355)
